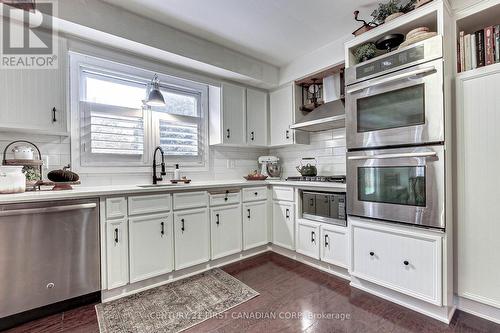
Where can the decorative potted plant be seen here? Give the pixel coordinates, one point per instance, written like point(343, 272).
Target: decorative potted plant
point(365, 52)
point(390, 10)
point(387, 11)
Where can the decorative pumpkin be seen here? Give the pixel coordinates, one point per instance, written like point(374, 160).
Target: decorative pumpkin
point(64, 175)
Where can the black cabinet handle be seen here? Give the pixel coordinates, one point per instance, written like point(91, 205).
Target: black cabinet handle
point(252, 136)
point(256, 193)
point(217, 220)
point(372, 253)
point(248, 210)
point(326, 241)
point(406, 263)
point(287, 134)
point(228, 133)
point(313, 237)
point(287, 213)
point(116, 235)
point(162, 228)
point(182, 225)
point(54, 114)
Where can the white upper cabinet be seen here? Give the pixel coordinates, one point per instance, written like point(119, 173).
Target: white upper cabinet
point(256, 111)
point(34, 99)
point(282, 108)
point(233, 114)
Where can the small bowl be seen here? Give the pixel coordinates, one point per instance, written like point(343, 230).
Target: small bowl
point(258, 177)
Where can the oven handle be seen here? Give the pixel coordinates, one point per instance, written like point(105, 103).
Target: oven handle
point(385, 156)
point(391, 78)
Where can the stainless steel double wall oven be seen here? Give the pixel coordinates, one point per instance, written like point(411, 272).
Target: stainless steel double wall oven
point(395, 136)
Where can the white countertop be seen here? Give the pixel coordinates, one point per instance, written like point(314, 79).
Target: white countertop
point(98, 191)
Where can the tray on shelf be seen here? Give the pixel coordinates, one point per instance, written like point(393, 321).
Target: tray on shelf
point(33, 163)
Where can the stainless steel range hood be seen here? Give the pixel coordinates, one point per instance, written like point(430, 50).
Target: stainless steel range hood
point(329, 115)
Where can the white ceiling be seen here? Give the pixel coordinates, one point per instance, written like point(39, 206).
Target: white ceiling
point(273, 31)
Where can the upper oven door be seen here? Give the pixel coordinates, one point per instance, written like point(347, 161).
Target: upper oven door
point(404, 107)
point(402, 185)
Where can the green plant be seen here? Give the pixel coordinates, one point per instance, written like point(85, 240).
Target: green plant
point(365, 52)
point(31, 173)
point(386, 9)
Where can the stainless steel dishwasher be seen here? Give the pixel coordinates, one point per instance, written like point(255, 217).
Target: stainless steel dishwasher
point(49, 252)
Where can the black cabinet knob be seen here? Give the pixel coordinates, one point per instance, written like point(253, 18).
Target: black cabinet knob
point(372, 253)
point(406, 262)
point(256, 193)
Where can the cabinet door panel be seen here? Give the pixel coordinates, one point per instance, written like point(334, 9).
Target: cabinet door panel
point(233, 114)
point(334, 245)
point(254, 224)
point(28, 97)
point(151, 246)
point(117, 253)
point(284, 225)
point(308, 239)
point(281, 116)
point(256, 112)
point(225, 230)
point(192, 237)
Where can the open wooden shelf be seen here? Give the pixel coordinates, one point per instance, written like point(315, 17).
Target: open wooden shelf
point(428, 15)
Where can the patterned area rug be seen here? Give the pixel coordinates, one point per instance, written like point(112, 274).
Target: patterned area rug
point(176, 306)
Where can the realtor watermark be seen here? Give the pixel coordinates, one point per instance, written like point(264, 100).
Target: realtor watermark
point(253, 315)
point(28, 37)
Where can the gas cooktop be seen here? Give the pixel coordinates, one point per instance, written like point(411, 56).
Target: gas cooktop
point(326, 179)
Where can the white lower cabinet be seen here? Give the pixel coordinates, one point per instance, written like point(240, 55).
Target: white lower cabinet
point(226, 230)
point(151, 246)
point(254, 224)
point(308, 238)
point(191, 237)
point(284, 224)
point(334, 245)
point(117, 253)
point(406, 261)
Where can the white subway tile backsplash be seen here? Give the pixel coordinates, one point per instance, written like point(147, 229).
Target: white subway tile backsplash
point(327, 147)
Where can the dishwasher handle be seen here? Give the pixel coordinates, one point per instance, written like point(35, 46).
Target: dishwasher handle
point(42, 210)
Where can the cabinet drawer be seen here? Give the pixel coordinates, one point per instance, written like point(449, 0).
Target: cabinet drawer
point(145, 204)
point(254, 194)
point(190, 200)
point(283, 193)
point(116, 208)
point(218, 198)
point(409, 263)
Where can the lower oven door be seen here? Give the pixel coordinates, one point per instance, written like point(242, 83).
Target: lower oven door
point(402, 185)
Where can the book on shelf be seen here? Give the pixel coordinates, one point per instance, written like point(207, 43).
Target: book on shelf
point(497, 42)
point(489, 42)
point(473, 51)
point(468, 55)
point(480, 47)
point(462, 50)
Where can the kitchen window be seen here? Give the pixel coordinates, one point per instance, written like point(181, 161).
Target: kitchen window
point(117, 130)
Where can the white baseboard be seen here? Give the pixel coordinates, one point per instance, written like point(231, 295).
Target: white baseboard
point(325, 267)
point(441, 313)
point(475, 308)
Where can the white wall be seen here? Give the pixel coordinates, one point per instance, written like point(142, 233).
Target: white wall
point(104, 21)
point(329, 148)
point(327, 56)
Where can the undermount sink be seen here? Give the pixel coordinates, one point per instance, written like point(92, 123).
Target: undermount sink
point(156, 185)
